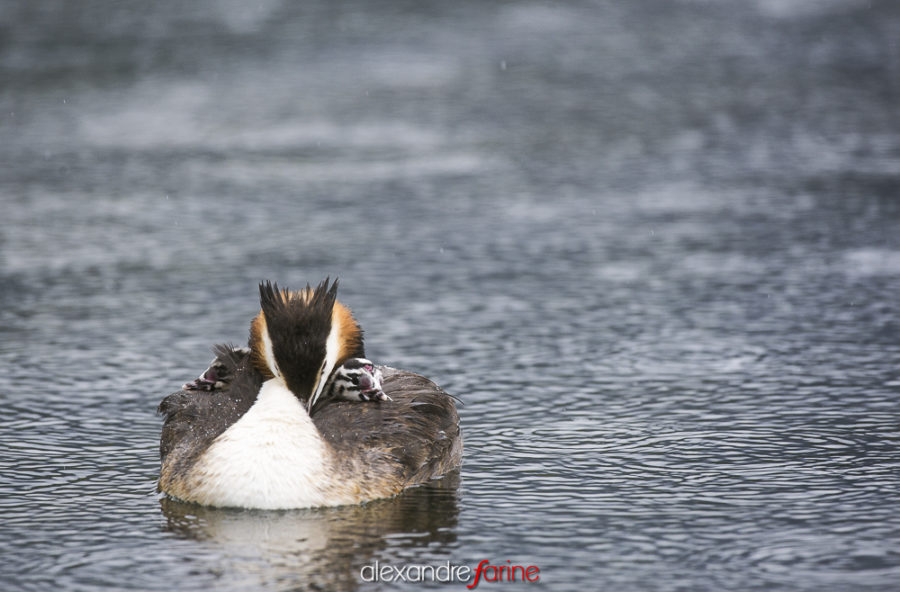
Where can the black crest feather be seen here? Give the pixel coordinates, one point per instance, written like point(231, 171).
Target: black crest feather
point(298, 324)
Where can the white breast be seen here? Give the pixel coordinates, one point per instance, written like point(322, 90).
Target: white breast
point(271, 458)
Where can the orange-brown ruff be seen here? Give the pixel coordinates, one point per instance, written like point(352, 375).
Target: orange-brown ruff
point(254, 443)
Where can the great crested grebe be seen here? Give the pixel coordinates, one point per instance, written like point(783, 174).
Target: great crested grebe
point(281, 425)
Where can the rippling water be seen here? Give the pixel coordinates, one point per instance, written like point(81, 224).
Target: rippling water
point(653, 246)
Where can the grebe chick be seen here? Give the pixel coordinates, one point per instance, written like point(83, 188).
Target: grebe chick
point(357, 379)
point(261, 431)
point(220, 372)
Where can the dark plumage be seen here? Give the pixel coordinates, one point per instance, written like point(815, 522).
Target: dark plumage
point(415, 433)
point(193, 419)
point(415, 437)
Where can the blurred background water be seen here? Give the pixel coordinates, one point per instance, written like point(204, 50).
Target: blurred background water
point(653, 245)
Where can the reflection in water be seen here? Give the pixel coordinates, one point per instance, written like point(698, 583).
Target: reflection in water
point(323, 547)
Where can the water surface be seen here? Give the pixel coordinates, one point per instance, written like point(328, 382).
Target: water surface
point(653, 246)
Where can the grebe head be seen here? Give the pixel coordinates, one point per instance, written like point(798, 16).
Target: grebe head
point(357, 379)
point(219, 374)
point(301, 336)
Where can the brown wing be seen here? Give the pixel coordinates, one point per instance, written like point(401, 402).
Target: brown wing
point(411, 439)
point(193, 419)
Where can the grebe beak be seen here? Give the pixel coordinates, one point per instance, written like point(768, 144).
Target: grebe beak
point(370, 389)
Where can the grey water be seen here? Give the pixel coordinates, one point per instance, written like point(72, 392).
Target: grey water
point(653, 246)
